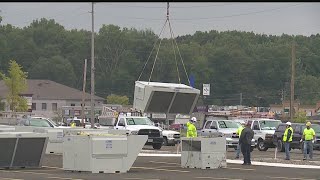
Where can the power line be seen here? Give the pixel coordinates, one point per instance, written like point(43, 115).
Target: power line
point(209, 18)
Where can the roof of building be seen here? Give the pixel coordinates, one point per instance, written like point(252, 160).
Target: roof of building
point(49, 90)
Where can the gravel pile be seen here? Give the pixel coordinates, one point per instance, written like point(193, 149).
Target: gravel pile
point(279, 160)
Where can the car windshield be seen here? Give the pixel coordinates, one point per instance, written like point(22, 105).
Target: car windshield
point(269, 125)
point(39, 123)
point(139, 121)
point(228, 124)
point(316, 128)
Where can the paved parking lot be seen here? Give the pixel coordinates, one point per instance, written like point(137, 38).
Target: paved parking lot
point(164, 168)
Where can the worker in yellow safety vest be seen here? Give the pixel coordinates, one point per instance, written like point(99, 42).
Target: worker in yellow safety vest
point(73, 124)
point(287, 139)
point(191, 128)
point(239, 130)
point(308, 136)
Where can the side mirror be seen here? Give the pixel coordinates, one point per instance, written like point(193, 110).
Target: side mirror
point(213, 127)
point(121, 124)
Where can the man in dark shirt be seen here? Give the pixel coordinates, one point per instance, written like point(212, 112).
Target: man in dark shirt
point(245, 143)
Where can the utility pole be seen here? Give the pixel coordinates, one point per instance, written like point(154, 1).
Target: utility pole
point(240, 99)
point(84, 91)
point(92, 68)
point(293, 58)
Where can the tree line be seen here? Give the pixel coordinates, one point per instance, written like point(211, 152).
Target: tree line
point(233, 62)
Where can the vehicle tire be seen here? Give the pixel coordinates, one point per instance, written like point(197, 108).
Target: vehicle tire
point(157, 146)
point(280, 146)
point(235, 148)
point(261, 146)
point(165, 141)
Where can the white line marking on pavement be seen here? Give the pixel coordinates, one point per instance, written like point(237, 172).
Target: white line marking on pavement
point(140, 179)
point(157, 169)
point(216, 178)
point(288, 178)
point(2, 178)
point(63, 178)
point(156, 162)
point(240, 162)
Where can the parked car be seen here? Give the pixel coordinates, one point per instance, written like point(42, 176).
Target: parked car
point(297, 135)
point(37, 122)
point(170, 137)
point(227, 128)
point(263, 132)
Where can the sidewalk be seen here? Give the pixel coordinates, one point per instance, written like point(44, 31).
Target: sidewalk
point(257, 162)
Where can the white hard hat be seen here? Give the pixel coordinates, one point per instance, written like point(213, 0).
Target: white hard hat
point(288, 123)
point(194, 119)
point(243, 122)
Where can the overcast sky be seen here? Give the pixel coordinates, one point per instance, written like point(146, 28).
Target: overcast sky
point(186, 18)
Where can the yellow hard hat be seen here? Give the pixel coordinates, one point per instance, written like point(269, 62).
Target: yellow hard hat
point(308, 124)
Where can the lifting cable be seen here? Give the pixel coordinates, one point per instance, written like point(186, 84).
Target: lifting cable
point(174, 43)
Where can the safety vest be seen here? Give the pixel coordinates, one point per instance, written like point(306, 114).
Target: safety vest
point(308, 134)
point(192, 130)
point(284, 139)
point(239, 130)
point(73, 124)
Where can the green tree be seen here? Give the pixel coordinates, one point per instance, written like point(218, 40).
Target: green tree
point(300, 117)
point(116, 99)
point(16, 83)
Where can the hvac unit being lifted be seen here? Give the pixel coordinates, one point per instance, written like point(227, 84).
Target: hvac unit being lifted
point(156, 97)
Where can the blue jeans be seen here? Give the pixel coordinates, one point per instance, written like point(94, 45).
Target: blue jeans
point(238, 151)
point(308, 145)
point(287, 149)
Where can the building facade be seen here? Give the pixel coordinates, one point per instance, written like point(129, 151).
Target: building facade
point(47, 97)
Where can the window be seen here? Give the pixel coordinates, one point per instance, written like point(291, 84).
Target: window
point(228, 124)
point(34, 106)
point(256, 125)
point(281, 127)
point(121, 122)
point(297, 129)
point(208, 124)
point(54, 106)
point(44, 106)
point(72, 104)
point(214, 125)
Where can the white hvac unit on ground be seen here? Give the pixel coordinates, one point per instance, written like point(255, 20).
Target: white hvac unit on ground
point(101, 153)
point(55, 136)
point(155, 97)
point(22, 149)
point(203, 153)
point(6, 128)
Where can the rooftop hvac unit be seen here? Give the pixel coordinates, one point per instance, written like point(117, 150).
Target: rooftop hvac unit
point(22, 149)
point(203, 153)
point(101, 153)
point(155, 97)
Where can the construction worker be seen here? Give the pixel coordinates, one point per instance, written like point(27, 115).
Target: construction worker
point(308, 138)
point(239, 130)
point(73, 124)
point(287, 139)
point(245, 143)
point(191, 128)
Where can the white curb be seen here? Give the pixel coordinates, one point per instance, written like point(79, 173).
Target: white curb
point(240, 161)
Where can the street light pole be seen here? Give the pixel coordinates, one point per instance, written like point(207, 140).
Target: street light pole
point(92, 68)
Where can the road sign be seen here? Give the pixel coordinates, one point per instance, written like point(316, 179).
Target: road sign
point(206, 90)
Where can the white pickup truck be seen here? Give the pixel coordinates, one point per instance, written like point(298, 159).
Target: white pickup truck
point(263, 132)
point(138, 125)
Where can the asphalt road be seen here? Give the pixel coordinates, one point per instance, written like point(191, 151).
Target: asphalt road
point(161, 168)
